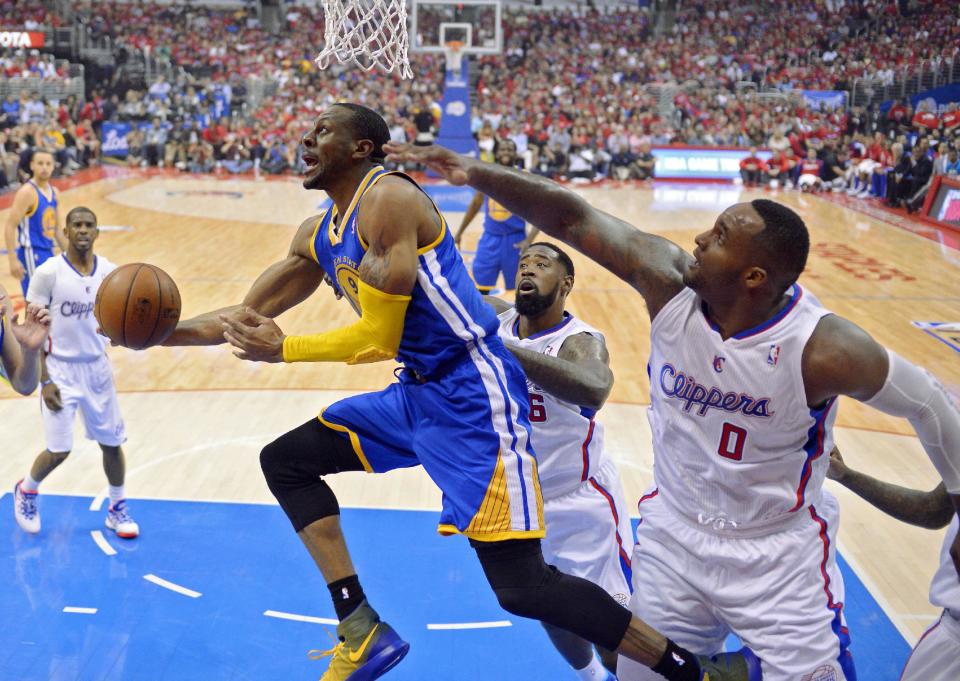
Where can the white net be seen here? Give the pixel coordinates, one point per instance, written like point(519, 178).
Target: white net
point(367, 34)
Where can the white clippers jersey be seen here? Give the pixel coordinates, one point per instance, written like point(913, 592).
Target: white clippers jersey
point(945, 589)
point(567, 440)
point(736, 448)
point(70, 297)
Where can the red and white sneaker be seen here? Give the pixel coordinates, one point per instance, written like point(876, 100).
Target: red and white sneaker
point(25, 509)
point(120, 521)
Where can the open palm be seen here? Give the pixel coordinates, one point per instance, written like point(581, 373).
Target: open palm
point(444, 162)
point(33, 331)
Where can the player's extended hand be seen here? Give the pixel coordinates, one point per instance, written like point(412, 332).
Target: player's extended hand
point(838, 469)
point(451, 165)
point(51, 396)
point(254, 337)
point(16, 270)
point(33, 331)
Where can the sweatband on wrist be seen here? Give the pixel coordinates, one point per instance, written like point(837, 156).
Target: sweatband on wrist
point(373, 338)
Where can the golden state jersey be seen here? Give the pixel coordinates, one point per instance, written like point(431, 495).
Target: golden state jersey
point(38, 227)
point(498, 220)
point(447, 317)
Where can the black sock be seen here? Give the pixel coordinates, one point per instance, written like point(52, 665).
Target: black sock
point(678, 664)
point(347, 594)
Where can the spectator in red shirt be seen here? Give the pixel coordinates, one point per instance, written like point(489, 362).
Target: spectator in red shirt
point(924, 118)
point(897, 112)
point(951, 118)
point(777, 169)
point(752, 169)
point(810, 169)
point(215, 135)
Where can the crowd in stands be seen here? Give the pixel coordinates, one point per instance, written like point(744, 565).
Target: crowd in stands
point(581, 92)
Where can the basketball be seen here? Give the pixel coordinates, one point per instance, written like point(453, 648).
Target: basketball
point(137, 306)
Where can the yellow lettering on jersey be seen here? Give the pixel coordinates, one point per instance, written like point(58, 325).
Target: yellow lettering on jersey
point(497, 212)
point(49, 222)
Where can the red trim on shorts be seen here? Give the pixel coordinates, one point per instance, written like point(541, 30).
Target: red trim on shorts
point(647, 497)
point(585, 449)
point(616, 518)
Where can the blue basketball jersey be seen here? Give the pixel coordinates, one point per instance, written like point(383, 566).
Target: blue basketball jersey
point(38, 227)
point(498, 220)
point(447, 317)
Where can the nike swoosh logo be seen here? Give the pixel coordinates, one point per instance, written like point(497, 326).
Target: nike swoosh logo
point(355, 656)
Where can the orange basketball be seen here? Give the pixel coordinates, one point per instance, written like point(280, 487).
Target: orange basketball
point(138, 306)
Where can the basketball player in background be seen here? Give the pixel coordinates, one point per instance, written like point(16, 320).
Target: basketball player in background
point(936, 656)
point(31, 228)
point(397, 265)
point(504, 234)
point(745, 370)
point(568, 381)
point(20, 344)
point(75, 374)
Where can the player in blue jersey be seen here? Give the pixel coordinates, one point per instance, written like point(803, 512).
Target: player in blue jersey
point(504, 234)
point(20, 344)
point(31, 229)
point(459, 408)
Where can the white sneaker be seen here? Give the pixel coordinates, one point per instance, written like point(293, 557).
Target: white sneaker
point(25, 509)
point(120, 521)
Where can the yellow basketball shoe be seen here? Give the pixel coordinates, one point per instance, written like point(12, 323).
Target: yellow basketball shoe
point(742, 665)
point(378, 653)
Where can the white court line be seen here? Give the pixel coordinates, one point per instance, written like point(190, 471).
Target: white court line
point(173, 587)
point(299, 618)
point(919, 618)
point(103, 543)
point(469, 625)
point(80, 611)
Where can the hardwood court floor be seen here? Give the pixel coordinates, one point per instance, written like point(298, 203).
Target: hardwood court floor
point(197, 417)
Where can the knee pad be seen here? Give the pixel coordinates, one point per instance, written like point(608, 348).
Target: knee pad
point(272, 459)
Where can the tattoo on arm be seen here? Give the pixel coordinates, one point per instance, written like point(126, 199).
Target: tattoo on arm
point(375, 266)
point(652, 265)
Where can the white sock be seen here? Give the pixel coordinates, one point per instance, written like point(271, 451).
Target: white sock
point(28, 484)
point(116, 494)
point(595, 671)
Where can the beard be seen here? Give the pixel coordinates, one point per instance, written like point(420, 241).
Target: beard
point(535, 304)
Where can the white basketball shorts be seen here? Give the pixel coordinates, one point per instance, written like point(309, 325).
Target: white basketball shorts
point(589, 533)
point(87, 386)
point(781, 593)
point(937, 655)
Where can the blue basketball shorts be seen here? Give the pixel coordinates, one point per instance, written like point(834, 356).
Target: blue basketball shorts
point(496, 254)
point(468, 429)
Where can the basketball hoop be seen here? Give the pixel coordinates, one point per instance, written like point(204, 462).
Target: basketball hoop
point(454, 55)
point(367, 34)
